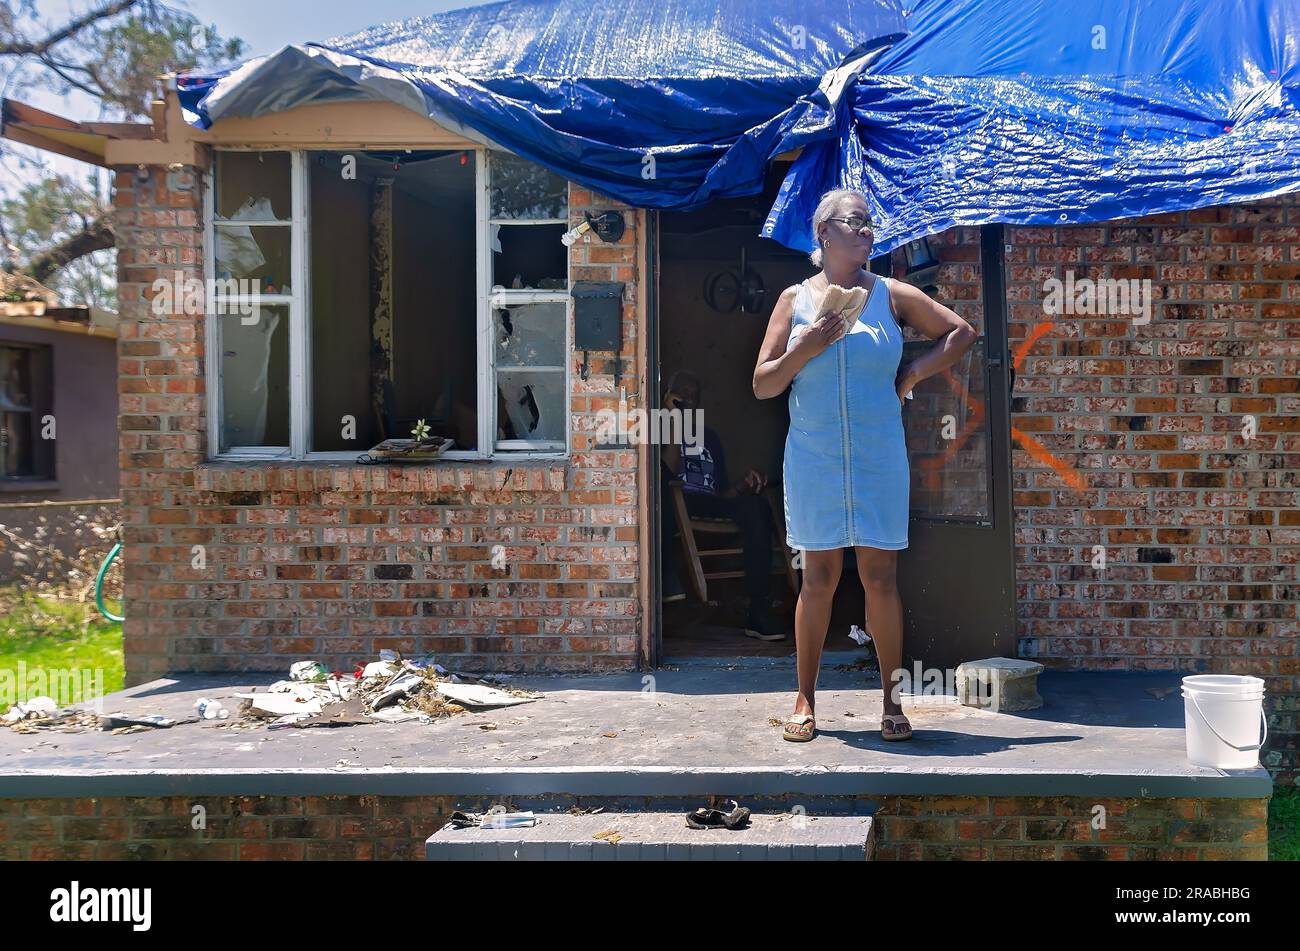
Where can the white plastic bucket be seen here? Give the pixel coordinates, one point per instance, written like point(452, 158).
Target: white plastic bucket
point(1223, 713)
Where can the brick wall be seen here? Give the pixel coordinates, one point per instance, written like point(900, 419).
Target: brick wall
point(1200, 527)
point(333, 562)
point(1024, 828)
point(395, 827)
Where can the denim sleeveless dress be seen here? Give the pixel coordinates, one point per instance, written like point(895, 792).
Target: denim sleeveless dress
point(846, 479)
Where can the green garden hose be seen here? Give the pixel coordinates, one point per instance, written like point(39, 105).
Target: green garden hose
point(99, 585)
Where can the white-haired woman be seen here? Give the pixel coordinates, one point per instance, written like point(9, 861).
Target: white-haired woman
point(846, 479)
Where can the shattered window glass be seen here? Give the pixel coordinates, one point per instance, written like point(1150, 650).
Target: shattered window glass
point(530, 335)
point(252, 238)
point(526, 191)
point(531, 406)
point(259, 254)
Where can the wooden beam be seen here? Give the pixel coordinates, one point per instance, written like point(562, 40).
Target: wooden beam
point(27, 136)
point(381, 302)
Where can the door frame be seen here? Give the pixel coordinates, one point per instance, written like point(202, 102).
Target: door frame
point(997, 386)
point(650, 552)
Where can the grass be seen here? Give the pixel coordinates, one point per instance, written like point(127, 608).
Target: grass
point(47, 634)
point(1284, 824)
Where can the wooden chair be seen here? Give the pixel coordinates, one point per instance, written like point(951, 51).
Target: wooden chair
point(688, 526)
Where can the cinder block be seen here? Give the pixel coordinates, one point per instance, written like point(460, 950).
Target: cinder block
point(999, 684)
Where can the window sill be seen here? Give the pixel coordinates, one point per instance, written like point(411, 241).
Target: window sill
point(527, 473)
point(30, 485)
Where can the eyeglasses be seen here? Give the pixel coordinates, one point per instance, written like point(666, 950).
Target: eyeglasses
point(855, 222)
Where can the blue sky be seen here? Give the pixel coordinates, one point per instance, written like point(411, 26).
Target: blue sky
point(266, 25)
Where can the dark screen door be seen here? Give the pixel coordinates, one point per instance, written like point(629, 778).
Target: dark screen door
point(957, 575)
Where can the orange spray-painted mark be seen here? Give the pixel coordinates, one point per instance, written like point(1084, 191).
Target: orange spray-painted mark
point(933, 465)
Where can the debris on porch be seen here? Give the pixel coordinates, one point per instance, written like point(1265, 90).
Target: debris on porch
point(390, 690)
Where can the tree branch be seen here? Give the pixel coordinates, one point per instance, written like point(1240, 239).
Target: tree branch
point(98, 235)
point(40, 47)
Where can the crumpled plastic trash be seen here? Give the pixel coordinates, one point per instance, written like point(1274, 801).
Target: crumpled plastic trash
point(209, 709)
point(308, 671)
point(379, 668)
point(859, 636)
point(33, 709)
point(492, 820)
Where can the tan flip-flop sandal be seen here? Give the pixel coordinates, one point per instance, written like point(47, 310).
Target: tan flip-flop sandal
point(896, 733)
point(800, 727)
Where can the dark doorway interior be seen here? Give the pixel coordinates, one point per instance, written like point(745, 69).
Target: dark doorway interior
point(718, 283)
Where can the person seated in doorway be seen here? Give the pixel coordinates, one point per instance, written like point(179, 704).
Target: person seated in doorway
point(702, 470)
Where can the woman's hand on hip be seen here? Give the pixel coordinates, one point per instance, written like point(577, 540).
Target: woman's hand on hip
point(905, 386)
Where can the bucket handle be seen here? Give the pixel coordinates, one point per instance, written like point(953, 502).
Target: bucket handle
point(1239, 749)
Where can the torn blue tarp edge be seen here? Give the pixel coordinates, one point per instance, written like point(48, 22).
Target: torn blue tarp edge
point(204, 101)
point(1176, 167)
point(1205, 67)
point(792, 226)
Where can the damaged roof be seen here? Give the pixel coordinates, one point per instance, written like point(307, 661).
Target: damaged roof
point(944, 112)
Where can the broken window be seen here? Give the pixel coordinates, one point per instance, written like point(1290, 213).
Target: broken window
point(529, 214)
point(376, 310)
point(530, 374)
point(254, 219)
point(394, 283)
point(529, 211)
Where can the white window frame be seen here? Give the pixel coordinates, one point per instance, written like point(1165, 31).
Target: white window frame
point(506, 297)
point(299, 307)
point(299, 379)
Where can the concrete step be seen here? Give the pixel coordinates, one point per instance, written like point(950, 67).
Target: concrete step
point(659, 837)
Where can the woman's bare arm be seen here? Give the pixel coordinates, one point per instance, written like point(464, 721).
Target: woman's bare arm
point(953, 336)
point(777, 366)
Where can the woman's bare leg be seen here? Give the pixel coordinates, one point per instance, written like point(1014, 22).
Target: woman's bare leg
point(878, 570)
point(812, 618)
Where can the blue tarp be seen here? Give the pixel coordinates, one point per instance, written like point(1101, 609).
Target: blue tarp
point(944, 112)
point(1041, 112)
point(658, 103)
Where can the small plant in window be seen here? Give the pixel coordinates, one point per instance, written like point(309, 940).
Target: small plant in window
point(421, 431)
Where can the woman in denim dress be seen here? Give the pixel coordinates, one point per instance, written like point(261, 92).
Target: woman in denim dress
point(846, 473)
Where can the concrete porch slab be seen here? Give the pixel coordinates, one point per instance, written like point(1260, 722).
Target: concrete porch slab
point(694, 731)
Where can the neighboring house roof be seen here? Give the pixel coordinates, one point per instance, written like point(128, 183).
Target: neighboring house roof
point(86, 321)
point(1027, 111)
point(28, 303)
point(16, 287)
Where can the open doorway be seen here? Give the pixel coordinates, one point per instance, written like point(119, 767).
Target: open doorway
point(718, 281)
point(717, 284)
